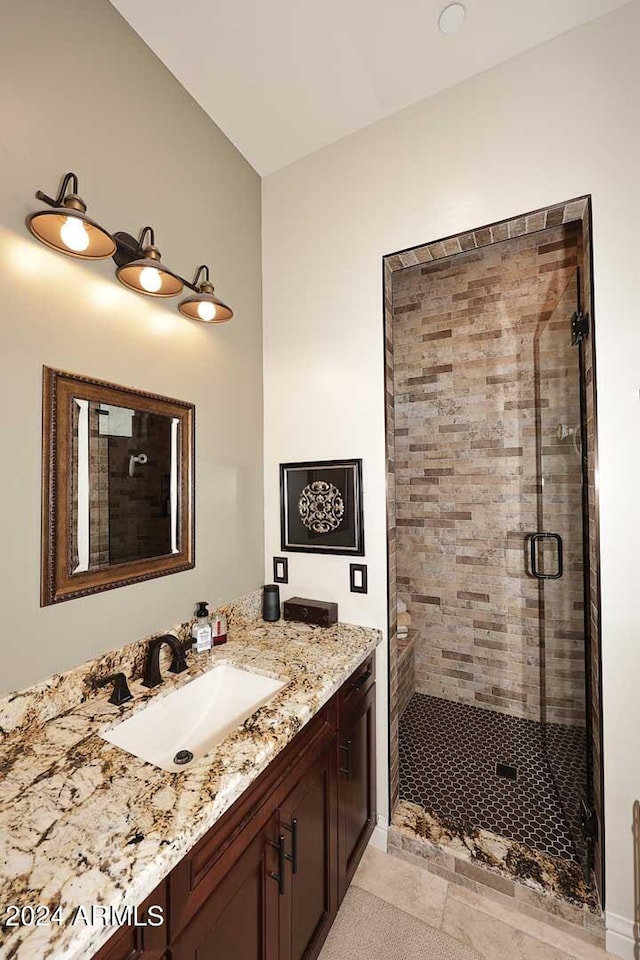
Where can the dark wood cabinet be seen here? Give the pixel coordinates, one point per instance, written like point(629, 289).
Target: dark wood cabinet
point(240, 918)
point(356, 786)
point(133, 942)
point(266, 881)
point(308, 824)
point(121, 946)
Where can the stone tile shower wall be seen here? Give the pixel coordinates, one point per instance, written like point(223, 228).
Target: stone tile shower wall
point(406, 673)
point(138, 506)
point(394, 695)
point(99, 548)
point(572, 212)
point(593, 540)
point(99, 492)
point(482, 369)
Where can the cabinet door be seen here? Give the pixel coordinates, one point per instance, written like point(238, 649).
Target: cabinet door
point(123, 945)
point(356, 787)
point(145, 942)
point(308, 822)
point(240, 918)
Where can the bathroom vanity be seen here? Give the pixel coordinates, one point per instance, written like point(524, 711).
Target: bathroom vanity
point(248, 851)
point(266, 881)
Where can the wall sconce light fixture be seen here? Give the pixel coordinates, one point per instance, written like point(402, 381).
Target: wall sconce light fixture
point(147, 274)
point(67, 228)
point(203, 305)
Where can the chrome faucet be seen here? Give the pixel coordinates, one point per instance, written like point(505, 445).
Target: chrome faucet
point(152, 666)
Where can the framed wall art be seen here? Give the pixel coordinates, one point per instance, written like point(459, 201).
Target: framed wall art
point(321, 507)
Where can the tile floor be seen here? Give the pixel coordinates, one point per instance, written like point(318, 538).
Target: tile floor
point(493, 929)
point(368, 928)
point(448, 756)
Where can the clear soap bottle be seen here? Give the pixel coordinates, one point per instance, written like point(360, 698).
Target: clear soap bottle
point(201, 630)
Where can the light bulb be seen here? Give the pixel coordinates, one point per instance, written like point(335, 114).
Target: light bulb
point(206, 310)
point(73, 234)
point(150, 279)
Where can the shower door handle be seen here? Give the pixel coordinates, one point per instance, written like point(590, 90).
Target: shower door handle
point(535, 540)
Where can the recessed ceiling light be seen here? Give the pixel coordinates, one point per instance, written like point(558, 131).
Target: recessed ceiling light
point(451, 18)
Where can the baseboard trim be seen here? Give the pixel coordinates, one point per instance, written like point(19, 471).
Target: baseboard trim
point(380, 835)
point(621, 937)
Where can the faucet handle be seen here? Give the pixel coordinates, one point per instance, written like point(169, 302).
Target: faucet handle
point(178, 661)
point(120, 693)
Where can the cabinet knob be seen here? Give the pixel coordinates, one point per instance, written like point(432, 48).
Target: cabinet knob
point(121, 693)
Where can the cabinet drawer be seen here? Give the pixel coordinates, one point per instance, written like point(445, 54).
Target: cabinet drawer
point(356, 688)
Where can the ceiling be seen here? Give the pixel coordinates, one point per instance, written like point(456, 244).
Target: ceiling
point(282, 78)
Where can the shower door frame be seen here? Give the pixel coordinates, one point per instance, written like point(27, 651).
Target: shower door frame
point(576, 210)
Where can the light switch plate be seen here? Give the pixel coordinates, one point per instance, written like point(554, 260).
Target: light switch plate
point(281, 570)
point(358, 577)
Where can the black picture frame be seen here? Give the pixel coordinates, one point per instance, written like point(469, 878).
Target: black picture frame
point(337, 506)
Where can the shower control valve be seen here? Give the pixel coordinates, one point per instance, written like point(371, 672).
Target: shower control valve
point(141, 458)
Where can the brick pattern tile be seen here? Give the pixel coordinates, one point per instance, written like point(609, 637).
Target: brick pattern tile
point(394, 712)
point(553, 216)
point(558, 664)
point(594, 551)
point(139, 517)
point(129, 517)
point(477, 426)
point(99, 532)
point(406, 672)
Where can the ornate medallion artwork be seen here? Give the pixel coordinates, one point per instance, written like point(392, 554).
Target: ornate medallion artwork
point(321, 507)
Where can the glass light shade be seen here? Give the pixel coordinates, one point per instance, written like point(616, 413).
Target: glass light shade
point(69, 230)
point(149, 277)
point(205, 307)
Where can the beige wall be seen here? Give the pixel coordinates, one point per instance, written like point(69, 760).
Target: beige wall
point(555, 123)
point(79, 91)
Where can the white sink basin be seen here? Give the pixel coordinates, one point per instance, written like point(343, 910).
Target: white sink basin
point(193, 718)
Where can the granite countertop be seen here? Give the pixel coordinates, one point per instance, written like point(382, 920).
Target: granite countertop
point(83, 823)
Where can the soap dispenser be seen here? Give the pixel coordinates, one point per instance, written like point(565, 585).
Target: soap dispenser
point(201, 630)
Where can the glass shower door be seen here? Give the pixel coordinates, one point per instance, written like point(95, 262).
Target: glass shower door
point(557, 560)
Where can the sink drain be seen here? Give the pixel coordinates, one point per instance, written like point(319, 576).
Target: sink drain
point(183, 756)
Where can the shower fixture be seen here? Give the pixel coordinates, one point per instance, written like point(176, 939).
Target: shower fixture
point(565, 432)
point(141, 459)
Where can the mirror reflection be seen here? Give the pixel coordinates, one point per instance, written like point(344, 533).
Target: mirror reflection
point(124, 485)
point(118, 486)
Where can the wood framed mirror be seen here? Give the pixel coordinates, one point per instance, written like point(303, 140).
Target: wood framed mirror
point(118, 486)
